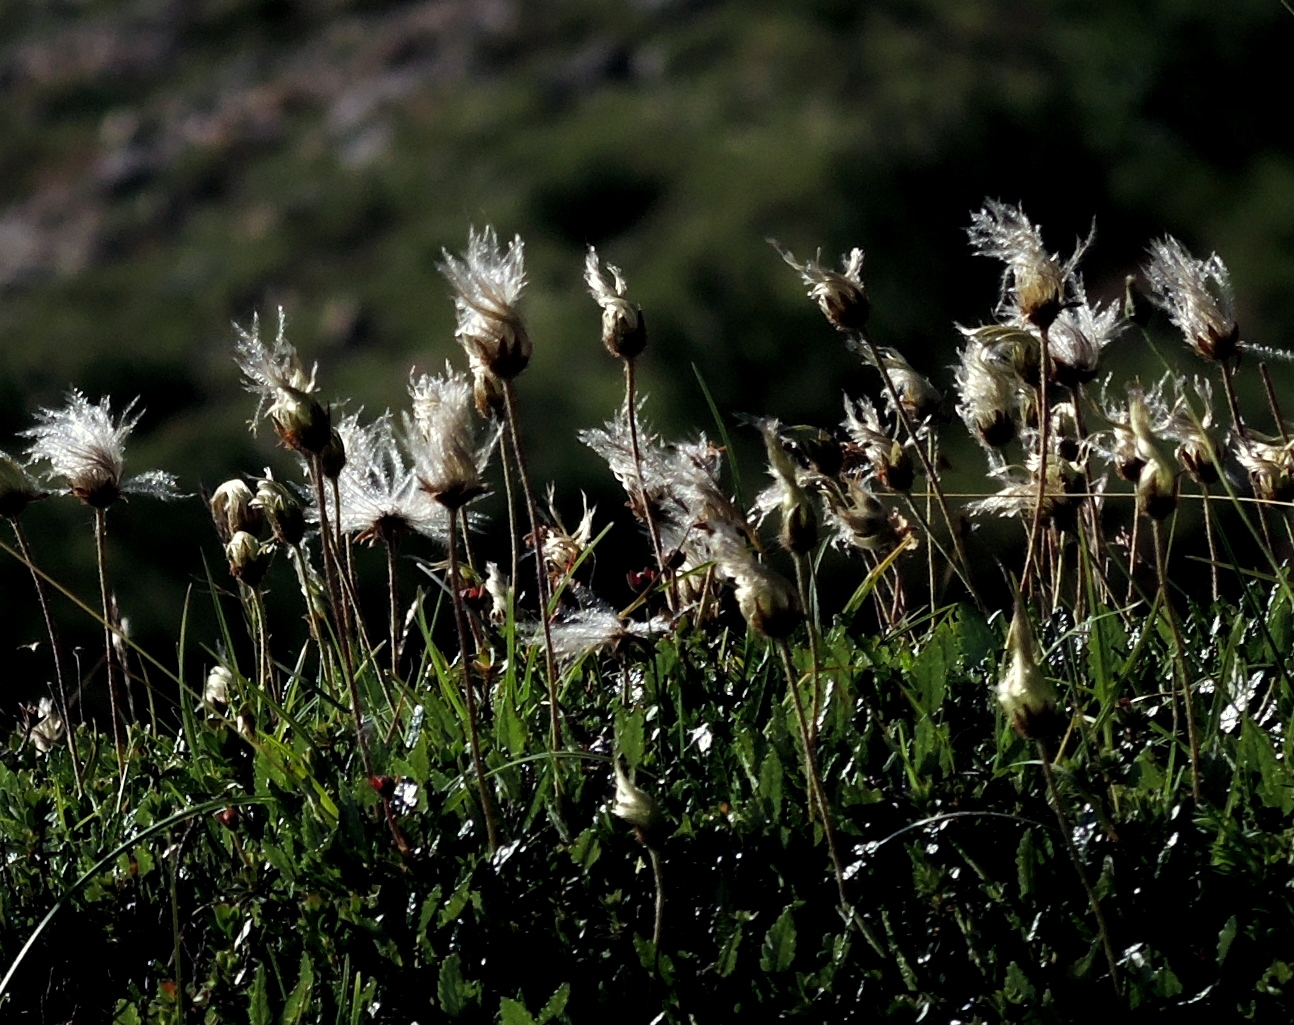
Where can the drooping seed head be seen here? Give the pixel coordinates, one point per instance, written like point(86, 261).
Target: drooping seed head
point(276, 374)
point(450, 446)
point(637, 807)
point(1197, 296)
point(233, 509)
point(248, 558)
point(282, 509)
point(840, 295)
point(624, 331)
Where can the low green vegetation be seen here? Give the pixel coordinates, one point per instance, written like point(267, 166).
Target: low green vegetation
point(465, 788)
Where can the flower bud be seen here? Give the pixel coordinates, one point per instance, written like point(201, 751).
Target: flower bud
point(637, 808)
point(300, 422)
point(767, 600)
point(49, 729)
point(17, 487)
point(332, 458)
point(215, 695)
point(248, 559)
point(233, 510)
point(282, 510)
point(1025, 694)
point(1157, 481)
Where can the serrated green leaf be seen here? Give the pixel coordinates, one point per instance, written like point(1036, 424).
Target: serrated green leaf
point(556, 1003)
point(630, 735)
point(1226, 937)
point(726, 962)
point(298, 1004)
point(513, 1012)
point(258, 999)
point(778, 950)
point(770, 784)
point(452, 990)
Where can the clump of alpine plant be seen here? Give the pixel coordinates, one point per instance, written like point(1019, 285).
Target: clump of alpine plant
point(84, 447)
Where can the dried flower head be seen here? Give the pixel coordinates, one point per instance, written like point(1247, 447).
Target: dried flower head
point(596, 629)
point(85, 448)
point(276, 374)
point(1157, 482)
point(1023, 691)
point(919, 398)
point(841, 295)
point(889, 459)
point(49, 727)
point(18, 488)
point(1197, 449)
point(233, 509)
point(215, 694)
point(1035, 284)
point(1077, 337)
point(1270, 464)
point(381, 497)
point(860, 520)
point(799, 521)
point(449, 444)
point(1197, 296)
point(487, 284)
point(988, 382)
point(624, 331)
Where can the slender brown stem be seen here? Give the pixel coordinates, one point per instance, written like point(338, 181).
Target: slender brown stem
point(514, 532)
point(1068, 836)
point(1266, 375)
point(817, 795)
point(55, 647)
point(109, 652)
point(541, 574)
point(803, 581)
point(339, 616)
point(653, 531)
point(931, 475)
point(469, 692)
point(394, 596)
point(1044, 454)
point(659, 876)
point(1179, 657)
point(1213, 546)
point(1229, 387)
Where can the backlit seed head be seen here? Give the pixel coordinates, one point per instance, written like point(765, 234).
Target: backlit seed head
point(1197, 296)
point(1024, 692)
point(840, 295)
point(487, 284)
point(767, 599)
point(215, 694)
point(1035, 283)
point(233, 509)
point(275, 372)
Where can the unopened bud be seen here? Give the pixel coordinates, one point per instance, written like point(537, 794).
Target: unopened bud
point(332, 459)
point(248, 559)
point(283, 511)
point(233, 510)
point(1025, 694)
point(767, 600)
point(637, 808)
point(300, 422)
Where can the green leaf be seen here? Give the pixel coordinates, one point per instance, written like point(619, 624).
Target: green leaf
point(299, 1000)
point(726, 962)
point(941, 654)
point(1025, 859)
point(127, 1014)
point(770, 784)
point(513, 1012)
point(556, 1003)
point(630, 732)
point(1226, 937)
point(452, 990)
point(258, 999)
point(779, 944)
point(1018, 988)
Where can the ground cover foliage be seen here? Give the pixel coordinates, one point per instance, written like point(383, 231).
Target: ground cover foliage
point(725, 798)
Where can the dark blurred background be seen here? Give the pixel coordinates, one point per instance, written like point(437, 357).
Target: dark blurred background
point(170, 166)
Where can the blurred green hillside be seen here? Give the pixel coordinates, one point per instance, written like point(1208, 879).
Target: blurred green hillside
point(168, 167)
